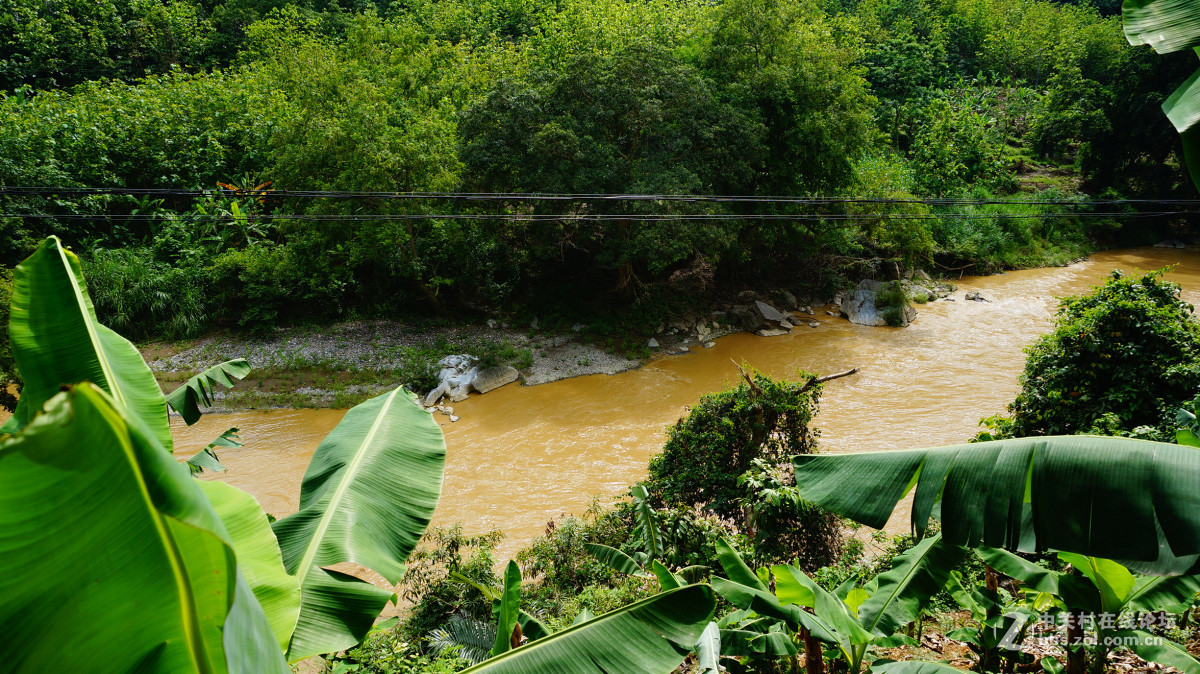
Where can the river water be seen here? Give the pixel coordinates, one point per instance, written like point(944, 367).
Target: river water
point(520, 455)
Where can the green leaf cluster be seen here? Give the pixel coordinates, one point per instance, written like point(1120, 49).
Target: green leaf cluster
point(1119, 358)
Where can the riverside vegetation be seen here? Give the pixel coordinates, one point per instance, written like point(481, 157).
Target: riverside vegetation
point(179, 574)
point(1021, 99)
point(664, 581)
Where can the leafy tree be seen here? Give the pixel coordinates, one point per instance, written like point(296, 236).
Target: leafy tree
point(72, 41)
point(793, 69)
point(1120, 358)
point(749, 431)
point(634, 121)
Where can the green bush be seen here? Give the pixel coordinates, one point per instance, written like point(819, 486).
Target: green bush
point(142, 297)
point(387, 652)
point(757, 425)
point(263, 286)
point(1119, 358)
point(892, 299)
point(435, 597)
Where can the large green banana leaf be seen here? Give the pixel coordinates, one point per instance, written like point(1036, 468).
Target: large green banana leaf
point(1154, 648)
point(1114, 498)
point(111, 558)
point(186, 399)
point(653, 635)
point(508, 610)
point(258, 556)
point(904, 590)
point(1169, 26)
point(367, 497)
point(56, 340)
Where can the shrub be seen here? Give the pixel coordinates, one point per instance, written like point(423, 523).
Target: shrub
point(757, 425)
point(892, 298)
point(434, 595)
point(264, 285)
point(137, 295)
point(1119, 358)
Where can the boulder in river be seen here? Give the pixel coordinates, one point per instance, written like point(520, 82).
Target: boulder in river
point(975, 296)
point(492, 378)
point(921, 293)
point(861, 306)
point(768, 312)
point(1170, 243)
point(771, 332)
point(436, 394)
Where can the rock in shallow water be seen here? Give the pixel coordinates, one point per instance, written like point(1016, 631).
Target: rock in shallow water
point(492, 378)
point(859, 307)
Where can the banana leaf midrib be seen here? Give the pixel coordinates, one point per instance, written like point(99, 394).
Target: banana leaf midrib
point(187, 600)
point(89, 324)
point(346, 480)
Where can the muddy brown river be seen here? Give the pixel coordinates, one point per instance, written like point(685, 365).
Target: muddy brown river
point(522, 455)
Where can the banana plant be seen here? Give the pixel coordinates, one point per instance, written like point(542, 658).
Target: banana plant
point(199, 389)
point(652, 635)
point(513, 625)
point(852, 618)
point(87, 492)
point(622, 563)
point(1112, 498)
point(621, 641)
point(366, 498)
point(1104, 589)
point(1170, 26)
point(178, 575)
point(56, 339)
point(207, 459)
point(1001, 621)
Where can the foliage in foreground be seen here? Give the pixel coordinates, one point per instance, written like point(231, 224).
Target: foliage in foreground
point(221, 588)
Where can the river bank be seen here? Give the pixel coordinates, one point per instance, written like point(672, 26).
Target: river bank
point(341, 365)
point(522, 455)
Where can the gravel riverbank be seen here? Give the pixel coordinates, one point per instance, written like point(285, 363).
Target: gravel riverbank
point(327, 365)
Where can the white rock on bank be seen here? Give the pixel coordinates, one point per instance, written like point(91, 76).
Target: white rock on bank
point(492, 378)
point(859, 306)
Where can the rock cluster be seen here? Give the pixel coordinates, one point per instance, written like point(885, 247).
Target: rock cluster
point(860, 306)
point(762, 317)
point(460, 375)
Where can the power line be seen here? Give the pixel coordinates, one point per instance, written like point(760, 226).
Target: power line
point(551, 196)
point(596, 217)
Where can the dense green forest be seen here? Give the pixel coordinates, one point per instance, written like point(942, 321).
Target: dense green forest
point(894, 99)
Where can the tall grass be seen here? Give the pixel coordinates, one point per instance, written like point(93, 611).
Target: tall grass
point(139, 296)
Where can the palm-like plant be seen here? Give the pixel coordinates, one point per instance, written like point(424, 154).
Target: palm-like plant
point(469, 638)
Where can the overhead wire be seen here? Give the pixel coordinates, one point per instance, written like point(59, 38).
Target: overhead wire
point(597, 217)
point(553, 196)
